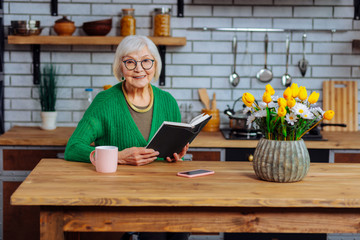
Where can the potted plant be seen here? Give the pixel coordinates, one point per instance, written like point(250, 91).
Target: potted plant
point(47, 95)
point(281, 155)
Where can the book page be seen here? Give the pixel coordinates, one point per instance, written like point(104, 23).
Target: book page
point(196, 118)
point(199, 119)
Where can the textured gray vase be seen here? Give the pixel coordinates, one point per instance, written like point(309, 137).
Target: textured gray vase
point(281, 161)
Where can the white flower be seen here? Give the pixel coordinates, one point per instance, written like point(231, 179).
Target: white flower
point(247, 109)
point(318, 112)
point(260, 113)
point(262, 105)
point(291, 118)
point(274, 98)
point(272, 104)
point(308, 115)
point(300, 109)
point(250, 119)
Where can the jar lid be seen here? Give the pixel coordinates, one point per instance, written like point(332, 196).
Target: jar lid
point(128, 9)
point(162, 10)
point(63, 20)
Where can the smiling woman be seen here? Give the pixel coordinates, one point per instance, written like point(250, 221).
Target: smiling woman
point(128, 114)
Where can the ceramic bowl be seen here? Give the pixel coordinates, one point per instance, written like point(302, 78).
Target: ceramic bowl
point(25, 28)
point(64, 28)
point(97, 28)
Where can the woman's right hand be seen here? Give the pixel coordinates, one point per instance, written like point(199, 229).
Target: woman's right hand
point(137, 156)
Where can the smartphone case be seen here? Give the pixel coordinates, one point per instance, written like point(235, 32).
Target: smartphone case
point(182, 174)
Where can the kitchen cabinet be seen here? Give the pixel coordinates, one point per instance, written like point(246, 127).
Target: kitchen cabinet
point(20, 152)
point(207, 154)
point(344, 156)
point(16, 164)
point(243, 154)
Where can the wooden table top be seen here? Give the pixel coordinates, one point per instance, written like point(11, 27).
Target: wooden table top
point(58, 182)
point(34, 136)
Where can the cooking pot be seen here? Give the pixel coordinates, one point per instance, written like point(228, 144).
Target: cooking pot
point(238, 119)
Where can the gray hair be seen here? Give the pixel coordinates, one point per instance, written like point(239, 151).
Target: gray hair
point(135, 43)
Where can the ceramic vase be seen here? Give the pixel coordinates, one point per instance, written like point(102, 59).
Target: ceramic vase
point(48, 120)
point(281, 161)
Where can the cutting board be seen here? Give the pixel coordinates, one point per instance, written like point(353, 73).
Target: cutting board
point(342, 97)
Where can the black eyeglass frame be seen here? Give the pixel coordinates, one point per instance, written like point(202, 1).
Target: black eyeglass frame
point(141, 62)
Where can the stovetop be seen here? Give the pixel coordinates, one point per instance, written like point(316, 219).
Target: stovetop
point(230, 134)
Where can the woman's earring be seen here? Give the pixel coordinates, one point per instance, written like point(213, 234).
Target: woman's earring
point(122, 78)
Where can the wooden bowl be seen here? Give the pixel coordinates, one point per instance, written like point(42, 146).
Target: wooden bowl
point(97, 28)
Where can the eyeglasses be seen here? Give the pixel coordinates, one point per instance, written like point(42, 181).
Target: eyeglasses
point(146, 64)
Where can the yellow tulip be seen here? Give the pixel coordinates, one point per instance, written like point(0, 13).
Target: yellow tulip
point(281, 111)
point(328, 115)
point(282, 102)
point(266, 97)
point(295, 90)
point(314, 97)
point(269, 89)
point(288, 93)
point(248, 99)
point(291, 102)
point(302, 93)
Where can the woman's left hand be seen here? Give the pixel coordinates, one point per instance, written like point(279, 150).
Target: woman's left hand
point(177, 157)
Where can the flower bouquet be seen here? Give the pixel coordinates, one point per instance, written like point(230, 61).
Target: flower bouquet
point(285, 118)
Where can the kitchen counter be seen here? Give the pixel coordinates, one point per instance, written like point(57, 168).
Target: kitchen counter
point(34, 136)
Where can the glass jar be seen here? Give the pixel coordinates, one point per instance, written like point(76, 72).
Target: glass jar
point(162, 22)
point(128, 22)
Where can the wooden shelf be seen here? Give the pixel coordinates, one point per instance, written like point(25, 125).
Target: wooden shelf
point(89, 40)
point(36, 41)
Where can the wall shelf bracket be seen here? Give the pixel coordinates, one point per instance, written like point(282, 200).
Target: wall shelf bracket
point(36, 63)
point(54, 7)
point(356, 9)
point(180, 7)
point(162, 51)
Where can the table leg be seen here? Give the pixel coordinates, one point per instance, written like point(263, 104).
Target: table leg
point(51, 224)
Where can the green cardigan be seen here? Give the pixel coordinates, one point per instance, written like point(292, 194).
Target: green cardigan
point(107, 121)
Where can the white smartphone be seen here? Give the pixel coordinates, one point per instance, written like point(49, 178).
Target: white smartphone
point(195, 173)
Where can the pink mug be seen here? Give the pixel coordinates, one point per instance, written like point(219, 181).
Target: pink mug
point(105, 159)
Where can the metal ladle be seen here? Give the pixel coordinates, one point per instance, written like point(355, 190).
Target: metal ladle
point(265, 74)
point(286, 78)
point(303, 63)
point(234, 78)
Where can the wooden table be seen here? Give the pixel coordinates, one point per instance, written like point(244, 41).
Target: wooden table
point(73, 197)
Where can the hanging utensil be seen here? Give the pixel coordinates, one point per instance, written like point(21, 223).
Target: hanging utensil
point(303, 63)
point(286, 78)
point(234, 78)
point(265, 74)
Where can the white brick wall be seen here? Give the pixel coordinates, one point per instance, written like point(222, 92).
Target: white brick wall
point(205, 61)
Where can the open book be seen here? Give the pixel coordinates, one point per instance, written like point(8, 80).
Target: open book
point(171, 137)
